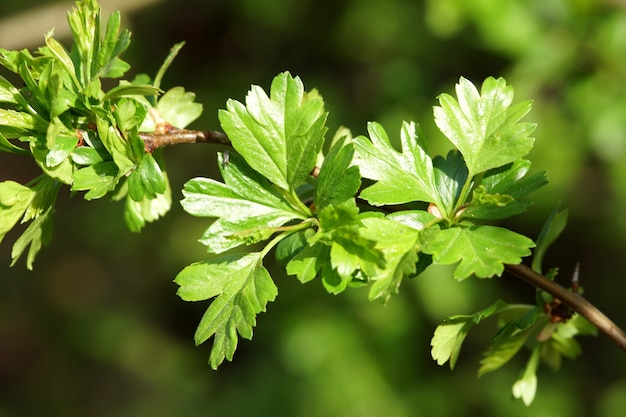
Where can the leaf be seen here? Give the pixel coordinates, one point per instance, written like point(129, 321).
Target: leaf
point(526, 386)
point(137, 213)
point(278, 136)
point(338, 181)
point(114, 43)
point(245, 203)
point(178, 107)
point(484, 126)
point(36, 234)
point(97, 179)
point(399, 244)
point(241, 288)
point(450, 334)
point(130, 90)
point(509, 339)
point(147, 180)
point(551, 230)
point(450, 177)
point(401, 177)
point(14, 200)
point(480, 250)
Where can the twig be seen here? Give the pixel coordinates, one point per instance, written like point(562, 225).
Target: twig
point(575, 301)
point(154, 141)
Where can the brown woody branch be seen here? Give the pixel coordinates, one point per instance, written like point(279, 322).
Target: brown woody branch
point(575, 301)
point(153, 141)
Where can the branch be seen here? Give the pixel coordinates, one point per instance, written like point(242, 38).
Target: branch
point(153, 141)
point(575, 301)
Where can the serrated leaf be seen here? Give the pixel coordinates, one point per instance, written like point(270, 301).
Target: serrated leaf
point(178, 107)
point(308, 262)
point(97, 179)
point(241, 288)
point(147, 180)
point(279, 136)
point(484, 126)
point(399, 244)
point(479, 250)
point(401, 176)
point(137, 213)
point(14, 200)
point(338, 181)
point(449, 335)
point(246, 203)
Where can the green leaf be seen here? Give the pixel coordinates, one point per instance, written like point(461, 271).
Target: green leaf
point(36, 234)
point(279, 136)
point(551, 230)
point(114, 43)
point(137, 213)
point(241, 288)
point(338, 181)
point(97, 179)
point(130, 90)
point(450, 334)
point(147, 180)
point(526, 386)
point(480, 250)
point(14, 200)
point(178, 107)
point(508, 341)
point(245, 204)
point(7, 146)
point(484, 126)
point(450, 177)
point(399, 244)
point(402, 177)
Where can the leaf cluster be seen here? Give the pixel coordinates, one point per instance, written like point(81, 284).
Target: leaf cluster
point(349, 211)
point(330, 210)
point(79, 134)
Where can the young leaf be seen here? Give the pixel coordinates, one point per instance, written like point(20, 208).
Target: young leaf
point(484, 126)
point(509, 339)
point(147, 180)
point(279, 136)
point(338, 181)
point(449, 335)
point(14, 200)
point(178, 107)
point(551, 230)
point(450, 176)
point(402, 177)
point(241, 288)
point(246, 203)
point(526, 386)
point(399, 244)
point(481, 250)
point(97, 179)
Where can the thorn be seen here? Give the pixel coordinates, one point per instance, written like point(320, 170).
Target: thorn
point(575, 282)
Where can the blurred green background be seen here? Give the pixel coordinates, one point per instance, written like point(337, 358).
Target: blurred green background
point(97, 330)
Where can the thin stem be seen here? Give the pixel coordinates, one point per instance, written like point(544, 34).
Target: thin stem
point(153, 141)
point(575, 301)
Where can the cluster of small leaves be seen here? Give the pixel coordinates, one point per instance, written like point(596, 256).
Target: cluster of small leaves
point(80, 135)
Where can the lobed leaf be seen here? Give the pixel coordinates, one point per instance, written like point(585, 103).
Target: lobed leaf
point(281, 135)
point(246, 203)
point(241, 288)
point(479, 250)
point(401, 176)
point(484, 126)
